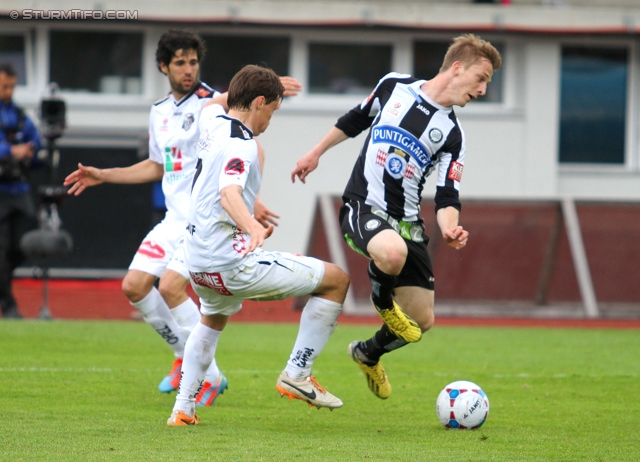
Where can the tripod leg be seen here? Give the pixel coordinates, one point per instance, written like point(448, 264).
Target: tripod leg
point(45, 313)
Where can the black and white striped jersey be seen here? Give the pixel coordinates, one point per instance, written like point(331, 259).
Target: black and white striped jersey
point(410, 137)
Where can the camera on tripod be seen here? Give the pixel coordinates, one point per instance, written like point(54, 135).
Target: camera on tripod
point(53, 114)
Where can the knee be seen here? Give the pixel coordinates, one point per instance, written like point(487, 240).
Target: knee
point(392, 259)
point(134, 289)
point(343, 281)
point(427, 323)
point(335, 283)
point(168, 290)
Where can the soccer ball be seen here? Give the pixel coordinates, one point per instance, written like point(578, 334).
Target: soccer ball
point(462, 405)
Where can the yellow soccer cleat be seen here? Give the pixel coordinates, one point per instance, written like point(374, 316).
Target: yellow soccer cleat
point(376, 376)
point(401, 325)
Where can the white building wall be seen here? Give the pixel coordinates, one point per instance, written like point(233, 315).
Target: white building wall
point(512, 151)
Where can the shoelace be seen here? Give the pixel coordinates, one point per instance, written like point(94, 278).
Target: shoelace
point(313, 380)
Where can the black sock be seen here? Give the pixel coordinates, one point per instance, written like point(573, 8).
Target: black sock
point(382, 342)
point(382, 285)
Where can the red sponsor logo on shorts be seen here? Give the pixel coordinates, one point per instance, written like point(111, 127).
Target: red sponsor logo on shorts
point(151, 249)
point(455, 171)
point(211, 280)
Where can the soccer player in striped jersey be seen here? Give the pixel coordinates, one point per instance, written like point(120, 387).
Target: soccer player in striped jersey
point(413, 132)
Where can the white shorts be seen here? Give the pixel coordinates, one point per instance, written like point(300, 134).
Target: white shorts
point(263, 276)
point(162, 249)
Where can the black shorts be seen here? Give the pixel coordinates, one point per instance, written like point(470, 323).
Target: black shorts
point(359, 225)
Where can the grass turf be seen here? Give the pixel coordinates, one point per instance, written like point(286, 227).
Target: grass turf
point(76, 390)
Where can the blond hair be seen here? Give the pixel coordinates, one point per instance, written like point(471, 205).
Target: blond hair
point(469, 49)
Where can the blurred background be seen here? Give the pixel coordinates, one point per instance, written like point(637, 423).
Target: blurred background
point(551, 188)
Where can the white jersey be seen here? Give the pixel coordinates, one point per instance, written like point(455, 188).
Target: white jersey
point(173, 135)
point(227, 155)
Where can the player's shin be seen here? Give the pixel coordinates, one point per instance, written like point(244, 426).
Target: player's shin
point(157, 314)
point(198, 355)
point(317, 323)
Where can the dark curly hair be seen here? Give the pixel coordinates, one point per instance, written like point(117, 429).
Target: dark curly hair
point(174, 40)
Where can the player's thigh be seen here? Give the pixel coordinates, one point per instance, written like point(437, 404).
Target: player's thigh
point(418, 303)
point(388, 251)
point(277, 275)
point(157, 248)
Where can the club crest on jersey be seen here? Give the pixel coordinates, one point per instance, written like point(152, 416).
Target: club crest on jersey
point(188, 121)
point(234, 167)
point(402, 139)
point(372, 224)
point(172, 159)
point(435, 135)
point(395, 166)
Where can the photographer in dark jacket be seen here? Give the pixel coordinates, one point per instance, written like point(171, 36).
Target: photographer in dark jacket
point(19, 145)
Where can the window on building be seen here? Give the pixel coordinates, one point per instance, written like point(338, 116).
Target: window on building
point(96, 62)
point(12, 50)
point(347, 69)
point(226, 55)
point(427, 59)
point(593, 95)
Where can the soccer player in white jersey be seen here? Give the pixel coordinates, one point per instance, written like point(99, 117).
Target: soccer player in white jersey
point(223, 248)
point(413, 132)
point(173, 135)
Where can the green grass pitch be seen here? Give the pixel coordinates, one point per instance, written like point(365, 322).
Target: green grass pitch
point(75, 390)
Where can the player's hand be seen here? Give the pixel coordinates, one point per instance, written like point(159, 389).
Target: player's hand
point(456, 237)
point(291, 86)
point(265, 216)
point(305, 165)
point(82, 178)
point(257, 238)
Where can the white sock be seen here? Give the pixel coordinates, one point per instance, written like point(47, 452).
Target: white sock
point(157, 314)
point(198, 354)
point(317, 323)
point(187, 315)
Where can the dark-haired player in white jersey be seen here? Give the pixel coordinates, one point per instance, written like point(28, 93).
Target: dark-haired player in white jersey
point(413, 132)
point(173, 135)
point(224, 252)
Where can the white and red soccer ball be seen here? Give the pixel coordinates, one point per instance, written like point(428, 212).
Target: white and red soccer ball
point(462, 405)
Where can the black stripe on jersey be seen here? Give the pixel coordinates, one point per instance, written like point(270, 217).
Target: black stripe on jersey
point(197, 174)
point(453, 144)
point(238, 129)
point(415, 121)
point(162, 100)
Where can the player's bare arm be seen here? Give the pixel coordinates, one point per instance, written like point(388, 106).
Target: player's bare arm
point(309, 162)
point(142, 172)
point(231, 201)
point(454, 234)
